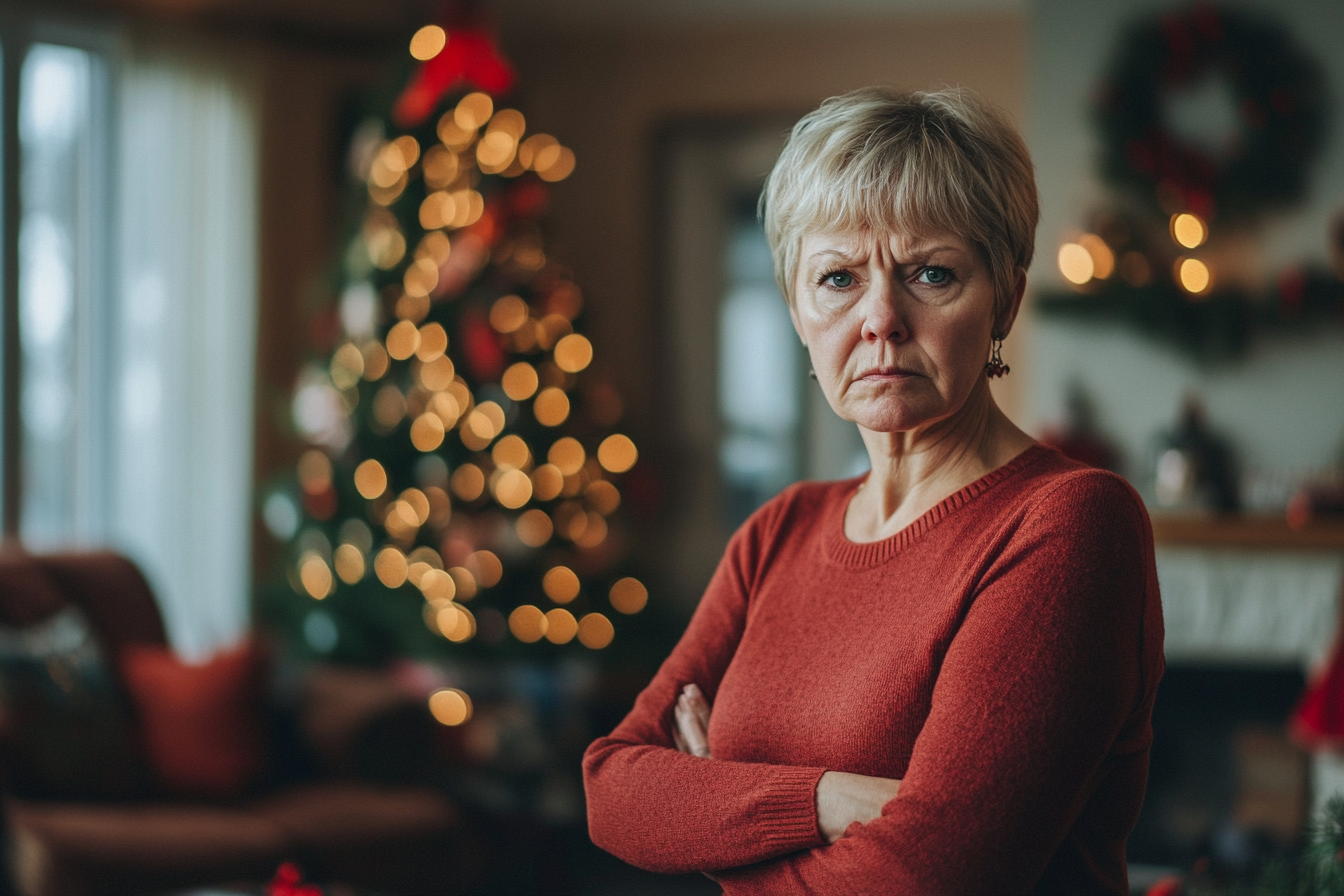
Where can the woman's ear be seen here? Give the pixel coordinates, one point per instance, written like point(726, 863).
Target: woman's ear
point(1004, 323)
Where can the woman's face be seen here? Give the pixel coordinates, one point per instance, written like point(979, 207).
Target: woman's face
point(898, 325)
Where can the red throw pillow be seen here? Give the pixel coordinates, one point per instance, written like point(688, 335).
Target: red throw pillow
point(201, 723)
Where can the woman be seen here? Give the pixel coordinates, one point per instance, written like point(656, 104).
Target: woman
point(938, 677)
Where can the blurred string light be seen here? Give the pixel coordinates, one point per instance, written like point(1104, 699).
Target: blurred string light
point(1188, 230)
point(1194, 276)
point(428, 42)
point(450, 706)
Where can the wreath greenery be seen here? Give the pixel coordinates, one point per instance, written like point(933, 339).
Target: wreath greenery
point(1280, 100)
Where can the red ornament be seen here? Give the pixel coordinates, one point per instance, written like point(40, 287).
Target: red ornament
point(480, 344)
point(1317, 722)
point(470, 57)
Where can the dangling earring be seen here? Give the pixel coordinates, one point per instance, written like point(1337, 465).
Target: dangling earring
point(811, 374)
point(995, 367)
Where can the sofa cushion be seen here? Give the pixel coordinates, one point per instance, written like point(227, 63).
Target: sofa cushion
point(202, 724)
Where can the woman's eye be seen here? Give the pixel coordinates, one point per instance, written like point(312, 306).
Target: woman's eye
point(935, 276)
point(838, 280)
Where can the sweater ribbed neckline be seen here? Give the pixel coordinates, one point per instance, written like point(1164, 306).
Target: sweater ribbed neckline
point(872, 553)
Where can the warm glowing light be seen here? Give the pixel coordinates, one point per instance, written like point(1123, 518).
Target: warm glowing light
point(347, 366)
point(513, 489)
point(602, 496)
point(495, 414)
point(520, 381)
point(437, 375)
point(314, 471)
point(440, 507)
point(465, 582)
point(1188, 230)
point(401, 521)
point(573, 353)
point(541, 148)
point(561, 626)
point(402, 340)
point(560, 584)
point(389, 406)
point(617, 453)
point(453, 135)
point(495, 151)
point(436, 210)
point(468, 482)
point(570, 520)
point(561, 168)
point(594, 531)
point(421, 278)
point(428, 42)
point(1075, 263)
point(446, 407)
point(385, 245)
point(390, 566)
point(370, 479)
point(427, 432)
point(375, 361)
point(551, 406)
point(511, 451)
point(547, 481)
point(349, 562)
point(1103, 259)
point(473, 110)
point(437, 584)
point(418, 502)
point(486, 567)
point(315, 575)
point(439, 167)
point(553, 327)
point(1194, 276)
point(433, 343)
point(456, 623)
point(409, 149)
point(388, 168)
point(509, 121)
point(528, 623)
point(412, 308)
point(628, 596)
point(508, 314)
point(595, 631)
point(449, 706)
point(534, 528)
point(567, 455)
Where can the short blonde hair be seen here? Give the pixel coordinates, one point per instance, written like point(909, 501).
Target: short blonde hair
point(942, 161)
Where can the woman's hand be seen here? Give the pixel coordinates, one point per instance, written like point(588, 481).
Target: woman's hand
point(844, 798)
point(691, 731)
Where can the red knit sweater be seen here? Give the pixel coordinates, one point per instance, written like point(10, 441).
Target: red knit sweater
point(1000, 656)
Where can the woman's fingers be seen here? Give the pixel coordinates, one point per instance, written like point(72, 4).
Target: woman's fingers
point(694, 736)
point(698, 704)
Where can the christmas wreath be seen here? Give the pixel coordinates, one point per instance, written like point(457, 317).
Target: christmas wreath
point(1278, 100)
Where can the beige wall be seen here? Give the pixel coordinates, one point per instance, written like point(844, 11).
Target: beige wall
point(608, 95)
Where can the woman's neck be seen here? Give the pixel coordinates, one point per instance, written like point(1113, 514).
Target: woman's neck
point(913, 471)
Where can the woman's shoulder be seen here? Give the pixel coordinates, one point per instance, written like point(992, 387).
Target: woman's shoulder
point(1056, 490)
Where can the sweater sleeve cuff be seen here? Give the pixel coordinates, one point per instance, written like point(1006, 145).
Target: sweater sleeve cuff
point(788, 813)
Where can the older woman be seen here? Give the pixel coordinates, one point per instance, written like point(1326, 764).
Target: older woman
point(938, 677)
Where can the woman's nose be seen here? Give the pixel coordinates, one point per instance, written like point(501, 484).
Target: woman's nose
point(883, 319)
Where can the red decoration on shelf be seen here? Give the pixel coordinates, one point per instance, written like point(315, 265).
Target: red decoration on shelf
point(1317, 721)
point(288, 881)
point(470, 57)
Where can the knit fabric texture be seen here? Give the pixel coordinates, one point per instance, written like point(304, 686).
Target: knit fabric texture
point(999, 656)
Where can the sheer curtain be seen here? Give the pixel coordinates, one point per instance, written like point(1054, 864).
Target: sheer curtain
point(184, 335)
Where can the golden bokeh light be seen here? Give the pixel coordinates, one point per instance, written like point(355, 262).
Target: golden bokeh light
point(480, 427)
point(602, 496)
point(495, 151)
point(551, 406)
point(495, 414)
point(560, 584)
point(402, 340)
point(513, 489)
point(628, 595)
point(376, 361)
point(409, 149)
point(439, 167)
point(561, 626)
point(570, 520)
point(401, 521)
point(385, 245)
point(1194, 276)
point(1075, 263)
point(445, 406)
point(511, 451)
point(433, 343)
point(421, 278)
point(520, 381)
point(390, 566)
point(315, 575)
point(534, 528)
point(541, 148)
point(436, 210)
point(509, 121)
point(388, 167)
point(452, 134)
point(347, 366)
point(547, 481)
point(561, 168)
point(468, 482)
point(437, 584)
point(450, 707)
point(567, 455)
point(437, 375)
point(465, 582)
point(617, 453)
point(389, 406)
point(473, 110)
point(411, 308)
point(418, 502)
point(314, 470)
point(573, 353)
point(427, 432)
point(528, 624)
point(440, 507)
point(594, 531)
point(1103, 259)
point(349, 562)
point(456, 623)
point(508, 314)
point(595, 631)
point(1188, 230)
point(485, 566)
point(370, 479)
point(428, 42)
point(552, 328)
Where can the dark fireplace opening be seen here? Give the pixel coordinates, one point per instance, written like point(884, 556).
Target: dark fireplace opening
point(1226, 786)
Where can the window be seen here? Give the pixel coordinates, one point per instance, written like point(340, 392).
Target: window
point(129, 267)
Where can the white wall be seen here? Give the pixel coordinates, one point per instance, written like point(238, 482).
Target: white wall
point(1283, 406)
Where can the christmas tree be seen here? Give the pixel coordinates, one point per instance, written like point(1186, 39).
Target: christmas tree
point(459, 496)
